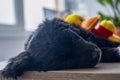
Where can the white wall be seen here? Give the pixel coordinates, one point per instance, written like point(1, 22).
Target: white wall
point(33, 11)
point(93, 7)
point(11, 46)
point(7, 6)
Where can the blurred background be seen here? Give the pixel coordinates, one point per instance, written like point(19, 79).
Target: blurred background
point(18, 18)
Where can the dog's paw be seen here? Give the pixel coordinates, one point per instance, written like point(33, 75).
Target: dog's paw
point(110, 54)
point(10, 72)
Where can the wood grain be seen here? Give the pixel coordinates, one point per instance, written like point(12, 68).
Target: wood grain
point(103, 71)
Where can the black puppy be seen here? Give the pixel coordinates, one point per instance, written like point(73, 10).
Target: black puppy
point(57, 45)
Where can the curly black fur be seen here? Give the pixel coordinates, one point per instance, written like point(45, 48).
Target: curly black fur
point(57, 45)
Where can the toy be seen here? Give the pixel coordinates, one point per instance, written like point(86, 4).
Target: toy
point(81, 21)
point(75, 19)
point(58, 45)
point(104, 30)
point(114, 38)
point(90, 23)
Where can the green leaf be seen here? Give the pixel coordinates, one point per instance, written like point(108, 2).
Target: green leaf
point(107, 1)
point(103, 16)
point(101, 2)
point(116, 22)
point(114, 5)
point(117, 2)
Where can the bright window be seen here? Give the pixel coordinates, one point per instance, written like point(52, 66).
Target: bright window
point(11, 17)
point(33, 11)
point(7, 12)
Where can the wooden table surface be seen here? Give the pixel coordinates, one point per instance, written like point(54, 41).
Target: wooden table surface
point(103, 71)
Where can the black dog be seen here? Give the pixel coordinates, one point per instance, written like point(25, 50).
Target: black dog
point(57, 45)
